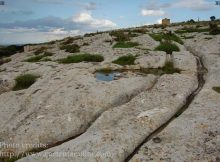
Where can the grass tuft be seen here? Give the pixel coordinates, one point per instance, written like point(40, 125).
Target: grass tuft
point(192, 30)
point(40, 50)
point(105, 70)
point(217, 89)
point(71, 48)
point(125, 60)
point(125, 44)
point(24, 81)
point(169, 68)
point(120, 36)
point(40, 57)
point(4, 60)
point(169, 37)
point(80, 58)
point(167, 47)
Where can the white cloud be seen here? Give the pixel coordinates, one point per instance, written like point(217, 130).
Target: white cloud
point(145, 12)
point(62, 31)
point(193, 4)
point(159, 21)
point(87, 19)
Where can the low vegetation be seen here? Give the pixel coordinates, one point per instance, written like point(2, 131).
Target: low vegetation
point(217, 89)
point(68, 40)
point(121, 36)
point(167, 47)
point(24, 81)
point(71, 48)
point(40, 50)
point(80, 58)
point(39, 58)
point(188, 37)
point(214, 29)
point(10, 50)
point(140, 30)
point(192, 30)
point(125, 60)
point(4, 60)
point(105, 70)
point(169, 68)
point(168, 37)
point(125, 44)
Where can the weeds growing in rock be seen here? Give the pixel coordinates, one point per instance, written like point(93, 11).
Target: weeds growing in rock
point(169, 68)
point(214, 29)
point(39, 58)
point(10, 50)
point(125, 44)
point(24, 81)
point(121, 36)
point(217, 89)
point(105, 70)
point(168, 37)
point(192, 30)
point(71, 48)
point(125, 60)
point(80, 58)
point(167, 47)
point(40, 50)
point(4, 60)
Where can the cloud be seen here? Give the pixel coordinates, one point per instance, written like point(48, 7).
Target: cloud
point(13, 11)
point(90, 6)
point(199, 5)
point(159, 21)
point(156, 8)
point(48, 1)
point(52, 28)
point(145, 12)
point(87, 19)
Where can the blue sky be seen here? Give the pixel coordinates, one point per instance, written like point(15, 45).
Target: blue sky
point(35, 21)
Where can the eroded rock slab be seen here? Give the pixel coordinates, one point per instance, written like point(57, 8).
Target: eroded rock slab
point(155, 59)
point(120, 129)
point(68, 101)
point(193, 136)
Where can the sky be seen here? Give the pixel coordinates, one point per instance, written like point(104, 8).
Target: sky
point(36, 21)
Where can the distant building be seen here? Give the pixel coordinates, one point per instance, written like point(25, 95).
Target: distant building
point(166, 22)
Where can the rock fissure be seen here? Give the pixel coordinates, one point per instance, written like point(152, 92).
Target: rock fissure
point(201, 70)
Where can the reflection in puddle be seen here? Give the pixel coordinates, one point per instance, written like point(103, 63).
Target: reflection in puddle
point(106, 76)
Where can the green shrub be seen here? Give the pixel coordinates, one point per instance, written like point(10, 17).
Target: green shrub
point(167, 47)
point(48, 54)
point(4, 60)
point(217, 89)
point(140, 30)
point(40, 50)
point(105, 70)
point(169, 37)
point(40, 57)
point(188, 37)
point(10, 50)
point(71, 48)
point(24, 81)
point(85, 44)
point(45, 59)
point(125, 45)
point(192, 30)
point(125, 60)
point(169, 68)
point(80, 58)
point(68, 40)
point(214, 29)
point(120, 36)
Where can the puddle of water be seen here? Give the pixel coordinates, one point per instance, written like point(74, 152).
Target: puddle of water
point(105, 76)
